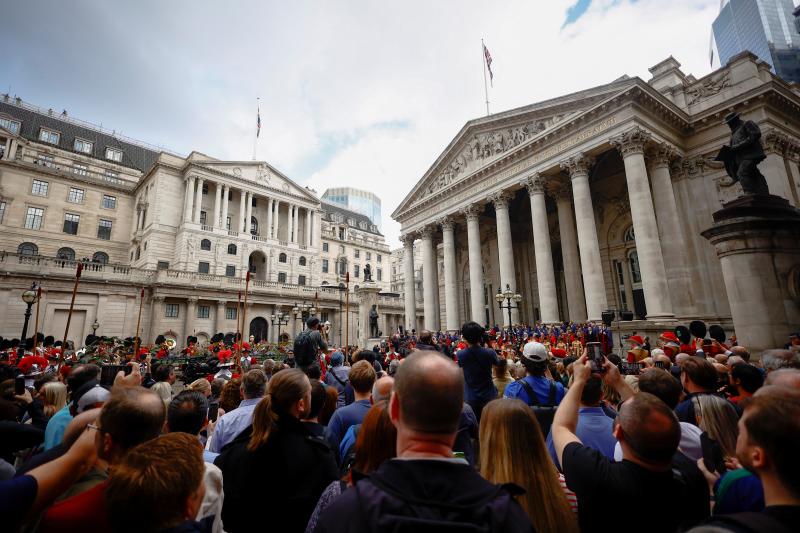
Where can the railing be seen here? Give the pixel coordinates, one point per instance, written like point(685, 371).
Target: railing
point(232, 233)
point(258, 238)
point(85, 174)
point(205, 227)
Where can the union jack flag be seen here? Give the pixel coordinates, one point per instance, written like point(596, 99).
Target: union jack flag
point(488, 57)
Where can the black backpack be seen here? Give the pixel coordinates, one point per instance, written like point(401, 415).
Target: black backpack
point(305, 349)
point(544, 413)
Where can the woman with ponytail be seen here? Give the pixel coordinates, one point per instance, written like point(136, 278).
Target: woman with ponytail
point(277, 462)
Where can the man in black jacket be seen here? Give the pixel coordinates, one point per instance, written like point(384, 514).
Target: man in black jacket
point(425, 487)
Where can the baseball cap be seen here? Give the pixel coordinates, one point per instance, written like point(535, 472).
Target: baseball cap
point(535, 352)
point(96, 394)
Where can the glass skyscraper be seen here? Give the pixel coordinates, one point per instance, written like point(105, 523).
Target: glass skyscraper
point(363, 202)
point(765, 28)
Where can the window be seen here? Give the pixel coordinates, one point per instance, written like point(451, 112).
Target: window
point(341, 249)
point(253, 225)
point(39, 188)
point(282, 258)
point(325, 266)
point(357, 253)
point(83, 146)
point(2, 211)
point(71, 222)
point(228, 223)
point(203, 218)
point(230, 271)
point(324, 246)
point(138, 253)
point(80, 170)
point(205, 244)
point(49, 136)
point(45, 160)
point(378, 258)
point(203, 311)
point(111, 175)
point(636, 273)
point(104, 229)
point(10, 125)
point(380, 274)
point(323, 316)
point(162, 265)
point(301, 280)
point(100, 257)
point(205, 188)
point(75, 195)
point(356, 269)
point(230, 313)
point(109, 202)
point(67, 254)
point(369, 256)
point(342, 267)
point(281, 277)
point(302, 261)
point(341, 234)
point(113, 155)
point(254, 201)
point(28, 248)
point(204, 267)
point(231, 249)
point(171, 310)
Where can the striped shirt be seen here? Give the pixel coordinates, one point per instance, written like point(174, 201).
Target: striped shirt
point(571, 498)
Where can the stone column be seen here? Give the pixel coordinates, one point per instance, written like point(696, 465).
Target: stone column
point(673, 246)
point(569, 254)
point(219, 319)
point(225, 193)
point(408, 285)
point(156, 314)
point(270, 204)
point(217, 202)
point(505, 248)
point(290, 226)
point(276, 219)
point(249, 216)
point(654, 276)
point(429, 278)
point(545, 276)
point(198, 201)
point(309, 215)
point(591, 267)
point(242, 210)
point(476, 296)
point(450, 278)
point(191, 314)
point(189, 199)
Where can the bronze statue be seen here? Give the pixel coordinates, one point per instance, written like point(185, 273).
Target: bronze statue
point(367, 272)
point(373, 322)
point(744, 154)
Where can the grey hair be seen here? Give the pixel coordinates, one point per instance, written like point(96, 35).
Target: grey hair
point(777, 359)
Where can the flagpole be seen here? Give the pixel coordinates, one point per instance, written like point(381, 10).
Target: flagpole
point(485, 85)
point(255, 141)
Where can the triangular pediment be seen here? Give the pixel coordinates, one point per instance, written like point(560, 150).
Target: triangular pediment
point(482, 141)
point(260, 173)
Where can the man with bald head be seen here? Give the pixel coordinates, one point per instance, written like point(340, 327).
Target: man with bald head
point(784, 377)
point(649, 434)
point(425, 480)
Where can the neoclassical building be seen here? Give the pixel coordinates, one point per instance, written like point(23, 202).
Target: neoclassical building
point(186, 229)
point(595, 200)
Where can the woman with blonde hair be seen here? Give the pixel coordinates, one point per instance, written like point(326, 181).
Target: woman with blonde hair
point(501, 377)
point(717, 417)
point(164, 391)
point(55, 397)
point(513, 451)
point(202, 386)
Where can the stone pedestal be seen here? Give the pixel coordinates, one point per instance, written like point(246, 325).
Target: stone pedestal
point(757, 240)
point(367, 297)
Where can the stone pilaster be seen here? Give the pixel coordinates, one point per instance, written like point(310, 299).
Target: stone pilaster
point(576, 300)
point(431, 320)
point(545, 276)
point(505, 248)
point(476, 296)
point(450, 283)
point(410, 300)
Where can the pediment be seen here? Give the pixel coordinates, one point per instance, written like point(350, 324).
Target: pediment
point(261, 174)
point(482, 141)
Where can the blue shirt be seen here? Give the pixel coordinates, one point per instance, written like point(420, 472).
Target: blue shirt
point(477, 363)
point(343, 418)
point(540, 385)
point(594, 429)
point(231, 424)
point(54, 432)
point(209, 457)
point(348, 441)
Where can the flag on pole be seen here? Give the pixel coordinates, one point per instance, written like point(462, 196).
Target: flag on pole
point(488, 57)
point(258, 119)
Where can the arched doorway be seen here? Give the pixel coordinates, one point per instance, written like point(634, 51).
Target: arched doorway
point(259, 329)
point(257, 263)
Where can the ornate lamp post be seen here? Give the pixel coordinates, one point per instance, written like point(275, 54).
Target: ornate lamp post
point(279, 320)
point(303, 311)
point(95, 326)
point(508, 296)
point(29, 297)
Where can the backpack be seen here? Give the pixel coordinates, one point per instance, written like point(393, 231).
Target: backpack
point(544, 413)
point(305, 349)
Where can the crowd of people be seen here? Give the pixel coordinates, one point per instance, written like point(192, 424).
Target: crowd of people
point(533, 429)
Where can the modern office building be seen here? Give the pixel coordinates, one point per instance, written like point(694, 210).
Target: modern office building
point(363, 202)
point(764, 27)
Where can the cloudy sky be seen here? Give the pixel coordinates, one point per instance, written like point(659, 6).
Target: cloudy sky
point(353, 93)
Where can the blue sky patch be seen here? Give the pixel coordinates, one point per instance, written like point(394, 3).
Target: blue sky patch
point(576, 11)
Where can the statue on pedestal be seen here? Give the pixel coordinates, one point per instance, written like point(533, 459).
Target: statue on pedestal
point(367, 272)
point(743, 155)
point(373, 322)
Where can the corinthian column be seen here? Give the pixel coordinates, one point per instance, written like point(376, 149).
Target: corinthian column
point(270, 204)
point(276, 219)
point(198, 201)
point(429, 279)
point(569, 253)
point(591, 267)
point(249, 215)
point(654, 276)
point(409, 296)
point(290, 227)
point(217, 203)
point(476, 296)
point(243, 196)
point(188, 199)
point(545, 277)
point(450, 283)
point(505, 248)
point(226, 190)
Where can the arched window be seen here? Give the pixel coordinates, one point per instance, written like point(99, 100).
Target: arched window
point(636, 274)
point(231, 249)
point(253, 225)
point(66, 253)
point(205, 244)
point(100, 257)
point(324, 283)
point(629, 235)
point(28, 248)
point(302, 261)
point(282, 258)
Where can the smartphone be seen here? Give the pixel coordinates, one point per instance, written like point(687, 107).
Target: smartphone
point(19, 385)
point(213, 412)
point(712, 454)
point(631, 369)
point(595, 356)
point(109, 372)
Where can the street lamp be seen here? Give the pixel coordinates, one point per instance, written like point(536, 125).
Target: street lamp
point(29, 297)
point(95, 326)
point(508, 295)
point(279, 320)
point(303, 311)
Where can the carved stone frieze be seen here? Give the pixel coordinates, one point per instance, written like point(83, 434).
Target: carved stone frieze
point(707, 87)
point(775, 142)
point(727, 189)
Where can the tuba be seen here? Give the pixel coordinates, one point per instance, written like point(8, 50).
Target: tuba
point(171, 344)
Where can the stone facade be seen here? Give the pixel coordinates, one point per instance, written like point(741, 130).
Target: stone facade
point(596, 200)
